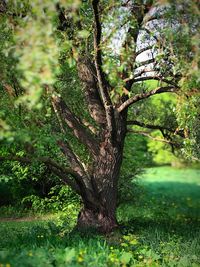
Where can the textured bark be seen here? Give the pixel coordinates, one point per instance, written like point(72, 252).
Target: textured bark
point(74, 123)
point(99, 220)
point(103, 84)
point(100, 211)
point(88, 77)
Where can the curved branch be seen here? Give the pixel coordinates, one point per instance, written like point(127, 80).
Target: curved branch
point(88, 76)
point(142, 96)
point(74, 185)
point(103, 85)
point(154, 138)
point(150, 33)
point(156, 127)
point(74, 160)
point(144, 71)
point(61, 171)
point(146, 62)
point(157, 78)
point(74, 123)
point(147, 19)
point(143, 50)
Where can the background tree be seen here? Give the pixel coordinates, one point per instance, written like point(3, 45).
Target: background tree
point(99, 54)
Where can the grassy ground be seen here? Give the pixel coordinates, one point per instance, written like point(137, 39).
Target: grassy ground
point(161, 229)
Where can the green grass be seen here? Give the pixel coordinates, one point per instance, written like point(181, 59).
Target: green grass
point(160, 229)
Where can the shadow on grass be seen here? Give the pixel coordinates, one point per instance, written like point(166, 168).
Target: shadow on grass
point(166, 226)
point(167, 207)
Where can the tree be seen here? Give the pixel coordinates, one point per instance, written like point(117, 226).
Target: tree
point(111, 82)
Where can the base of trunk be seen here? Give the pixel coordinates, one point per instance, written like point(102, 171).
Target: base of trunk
point(101, 221)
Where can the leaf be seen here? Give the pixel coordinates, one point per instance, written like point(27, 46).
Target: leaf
point(126, 257)
point(69, 254)
point(84, 34)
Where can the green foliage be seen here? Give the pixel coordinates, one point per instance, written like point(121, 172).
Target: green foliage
point(185, 41)
point(18, 180)
point(161, 152)
point(36, 49)
point(135, 153)
point(59, 198)
point(160, 111)
point(188, 117)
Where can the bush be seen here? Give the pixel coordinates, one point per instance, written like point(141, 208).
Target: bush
point(58, 199)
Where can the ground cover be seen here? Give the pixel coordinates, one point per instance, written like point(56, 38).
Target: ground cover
point(160, 228)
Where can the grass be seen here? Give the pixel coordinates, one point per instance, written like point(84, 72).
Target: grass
point(160, 229)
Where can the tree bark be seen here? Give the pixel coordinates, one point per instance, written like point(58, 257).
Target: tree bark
point(97, 219)
point(100, 211)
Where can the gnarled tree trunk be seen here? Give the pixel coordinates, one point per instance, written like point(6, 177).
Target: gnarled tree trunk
point(101, 212)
